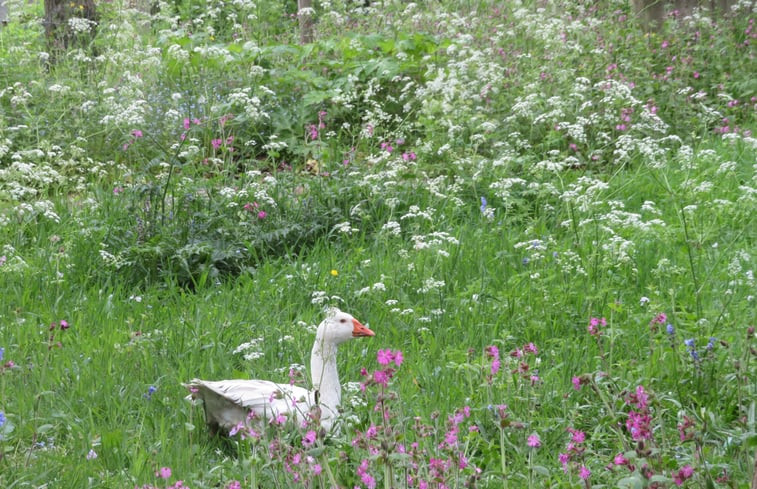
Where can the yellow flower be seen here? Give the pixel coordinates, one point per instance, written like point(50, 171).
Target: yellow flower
point(334, 273)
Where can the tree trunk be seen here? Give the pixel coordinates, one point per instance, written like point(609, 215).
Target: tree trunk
point(3, 13)
point(69, 22)
point(305, 14)
point(653, 12)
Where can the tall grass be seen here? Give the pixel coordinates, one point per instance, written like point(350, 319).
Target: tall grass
point(547, 210)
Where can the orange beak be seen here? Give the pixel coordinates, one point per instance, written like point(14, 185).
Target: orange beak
point(359, 330)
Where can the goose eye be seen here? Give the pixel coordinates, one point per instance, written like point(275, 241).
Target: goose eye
point(342, 320)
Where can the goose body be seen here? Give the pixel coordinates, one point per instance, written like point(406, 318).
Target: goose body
point(229, 403)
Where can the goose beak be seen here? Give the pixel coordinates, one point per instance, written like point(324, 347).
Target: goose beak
point(359, 330)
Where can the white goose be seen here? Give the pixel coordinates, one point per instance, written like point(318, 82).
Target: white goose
point(229, 402)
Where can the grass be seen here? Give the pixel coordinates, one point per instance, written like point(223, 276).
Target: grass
point(478, 183)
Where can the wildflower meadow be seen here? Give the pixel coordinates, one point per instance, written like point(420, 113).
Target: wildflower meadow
point(544, 209)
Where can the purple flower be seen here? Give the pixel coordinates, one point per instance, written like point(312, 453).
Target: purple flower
point(384, 357)
point(2, 419)
point(533, 441)
point(2, 352)
point(584, 473)
point(164, 473)
point(483, 205)
point(91, 455)
point(670, 329)
point(309, 438)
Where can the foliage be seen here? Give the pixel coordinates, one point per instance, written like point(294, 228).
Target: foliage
point(544, 210)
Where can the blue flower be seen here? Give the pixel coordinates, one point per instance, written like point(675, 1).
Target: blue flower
point(150, 391)
point(2, 352)
point(2, 419)
point(670, 329)
point(689, 342)
point(711, 343)
point(483, 204)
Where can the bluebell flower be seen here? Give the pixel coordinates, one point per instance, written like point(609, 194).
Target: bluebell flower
point(483, 205)
point(670, 329)
point(2, 419)
point(711, 343)
point(2, 352)
point(689, 342)
point(150, 391)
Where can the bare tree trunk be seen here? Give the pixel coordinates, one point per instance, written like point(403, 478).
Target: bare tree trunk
point(3, 13)
point(305, 14)
point(67, 22)
point(653, 12)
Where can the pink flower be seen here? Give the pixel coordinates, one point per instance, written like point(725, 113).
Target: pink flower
point(577, 436)
point(531, 348)
point(620, 459)
point(186, 123)
point(163, 473)
point(576, 383)
point(309, 438)
point(398, 358)
point(683, 473)
point(234, 485)
point(584, 473)
point(136, 133)
point(533, 441)
point(262, 215)
point(117, 190)
point(64, 324)
point(380, 377)
point(317, 469)
point(384, 357)
point(216, 143)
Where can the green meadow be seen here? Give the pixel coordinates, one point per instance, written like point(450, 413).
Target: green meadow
point(548, 207)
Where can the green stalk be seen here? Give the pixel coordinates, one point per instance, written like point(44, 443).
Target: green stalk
point(502, 456)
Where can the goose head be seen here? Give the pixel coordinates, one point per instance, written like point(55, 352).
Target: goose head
point(339, 327)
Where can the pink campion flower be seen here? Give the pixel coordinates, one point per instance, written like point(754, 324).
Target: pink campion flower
point(64, 324)
point(371, 432)
point(312, 132)
point(216, 143)
point(262, 215)
point(409, 156)
point(564, 458)
point(584, 472)
point(136, 133)
point(696, 74)
point(398, 358)
point(279, 419)
point(309, 438)
point(196, 121)
point(234, 485)
point(117, 190)
point(317, 469)
point(639, 425)
point(384, 357)
point(577, 436)
point(163, 473)
point(381, 378)
point(531, 348)
point(576, 383)
point(186, 123)
point(683, 474)
point(533, 441)
point(620, 459)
